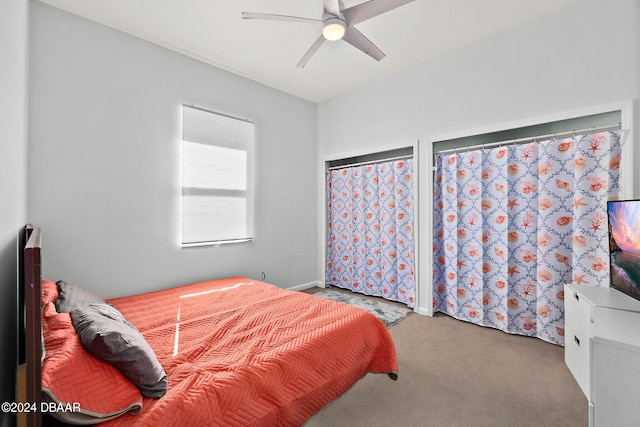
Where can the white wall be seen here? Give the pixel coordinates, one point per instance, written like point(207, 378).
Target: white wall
point(13, 180)
point(582, 56)
point(104, 167)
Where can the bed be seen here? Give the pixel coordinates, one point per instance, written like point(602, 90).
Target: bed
point(234, 351)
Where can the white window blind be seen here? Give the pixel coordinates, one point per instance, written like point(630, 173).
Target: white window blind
point(217, 178)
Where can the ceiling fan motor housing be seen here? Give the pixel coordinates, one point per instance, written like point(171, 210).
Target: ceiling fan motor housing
point(333, 27)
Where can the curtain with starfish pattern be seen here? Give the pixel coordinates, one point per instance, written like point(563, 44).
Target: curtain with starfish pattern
point(513, 224)
point(370, 239)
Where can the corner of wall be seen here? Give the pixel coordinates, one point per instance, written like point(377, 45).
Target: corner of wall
point(14, 24)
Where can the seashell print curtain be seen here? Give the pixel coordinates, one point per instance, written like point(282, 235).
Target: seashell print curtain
point(370, 243)
point(513, 224)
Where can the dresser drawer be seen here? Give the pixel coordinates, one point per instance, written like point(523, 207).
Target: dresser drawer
point(577, 313)
point(615, 383)
point(576, 357)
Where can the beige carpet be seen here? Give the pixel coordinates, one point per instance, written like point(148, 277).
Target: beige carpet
point(452, 373)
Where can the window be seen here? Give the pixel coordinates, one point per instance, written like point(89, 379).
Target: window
point(217, 178)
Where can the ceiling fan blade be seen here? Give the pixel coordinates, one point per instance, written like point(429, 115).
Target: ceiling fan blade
point(356, 39)
point(272, 17)
point(314, 47)
point(332, 7)
point(363, 11)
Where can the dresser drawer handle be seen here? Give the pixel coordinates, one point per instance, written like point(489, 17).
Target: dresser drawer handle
point(576, 296)
point(577, 340)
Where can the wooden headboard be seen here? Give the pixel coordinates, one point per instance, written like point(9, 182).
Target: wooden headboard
point(30, 324)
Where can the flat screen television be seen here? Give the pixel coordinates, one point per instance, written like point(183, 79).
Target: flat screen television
point(624, 246)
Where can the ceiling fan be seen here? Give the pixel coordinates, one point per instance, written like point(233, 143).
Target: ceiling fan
point(338, 23)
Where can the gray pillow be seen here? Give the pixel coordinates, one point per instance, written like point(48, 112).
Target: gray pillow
point(107, 335)
point(71, 296)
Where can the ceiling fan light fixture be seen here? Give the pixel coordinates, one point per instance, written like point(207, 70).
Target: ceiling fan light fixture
point(334, 28)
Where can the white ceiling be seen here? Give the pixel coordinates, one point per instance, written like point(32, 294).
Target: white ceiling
point(268, 51)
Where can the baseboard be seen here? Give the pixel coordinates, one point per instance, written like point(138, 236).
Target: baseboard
point(304, 286)
point(423, 311)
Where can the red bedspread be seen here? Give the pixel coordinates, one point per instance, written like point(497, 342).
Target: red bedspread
point(241, 352)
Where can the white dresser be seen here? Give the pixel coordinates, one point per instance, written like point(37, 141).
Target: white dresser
point(602, 351)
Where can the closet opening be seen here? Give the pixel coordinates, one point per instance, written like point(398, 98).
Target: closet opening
point(370, 228)
point(517, 214)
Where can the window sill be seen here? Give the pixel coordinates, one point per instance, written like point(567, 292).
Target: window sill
point(216, 243)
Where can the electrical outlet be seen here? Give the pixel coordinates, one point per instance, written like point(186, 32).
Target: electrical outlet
point(263, 276)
